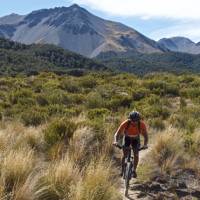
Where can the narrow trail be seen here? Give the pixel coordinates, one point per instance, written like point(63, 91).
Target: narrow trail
point(132, 194)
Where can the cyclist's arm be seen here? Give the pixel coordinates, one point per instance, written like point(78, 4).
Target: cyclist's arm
point(146, 138)
point(145, 134)
point(119, 131)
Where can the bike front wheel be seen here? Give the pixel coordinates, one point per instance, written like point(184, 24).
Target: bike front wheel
point(127, 178)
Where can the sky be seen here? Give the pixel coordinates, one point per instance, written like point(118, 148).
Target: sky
point(154, 18)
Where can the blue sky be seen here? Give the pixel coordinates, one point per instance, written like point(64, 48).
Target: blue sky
point(154, 18)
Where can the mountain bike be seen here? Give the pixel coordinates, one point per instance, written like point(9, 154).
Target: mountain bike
point(128, 167)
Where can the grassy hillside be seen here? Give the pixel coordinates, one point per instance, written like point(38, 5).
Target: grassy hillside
point(157, 62)
point(18, 58)
point(63, 127)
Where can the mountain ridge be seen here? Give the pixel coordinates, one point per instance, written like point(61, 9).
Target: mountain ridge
point(180, 44)
point(75, 29)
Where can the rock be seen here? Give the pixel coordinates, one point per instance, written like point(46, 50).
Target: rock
point(182, 185)
point(141, 195)
point(165, 195)
point(156, 187)
point(161, 180)
point(139, 187)
point(196, 194)
point(181, 193)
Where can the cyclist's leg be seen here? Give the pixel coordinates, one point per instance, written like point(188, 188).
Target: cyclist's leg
point(135, 145)
point(127, 143)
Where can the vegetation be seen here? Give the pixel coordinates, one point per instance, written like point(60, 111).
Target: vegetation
point(156, 62)
point(63, 127)
point(16, 58)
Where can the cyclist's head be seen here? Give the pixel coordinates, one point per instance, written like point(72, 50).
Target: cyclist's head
point(135, 116)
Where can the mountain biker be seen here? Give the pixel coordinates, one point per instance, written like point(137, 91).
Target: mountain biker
point(131, 129)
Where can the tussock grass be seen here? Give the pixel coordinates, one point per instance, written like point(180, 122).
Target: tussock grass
point(57, 180)
point(167, 153)
point(15, 136)
point(15, 167)
point(97, 183)
point(80, 146)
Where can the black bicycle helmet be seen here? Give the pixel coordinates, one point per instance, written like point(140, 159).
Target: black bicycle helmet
point(134, 116)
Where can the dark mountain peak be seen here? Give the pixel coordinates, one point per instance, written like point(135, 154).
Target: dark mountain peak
point(177, 39)
point(75, 6)
point(181, 39)
point(11, 19)
point(180, 44)
point(198, 43)
point(57, 16)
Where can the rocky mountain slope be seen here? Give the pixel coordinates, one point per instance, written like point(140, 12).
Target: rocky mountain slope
point(75, 29)
point(180, 44)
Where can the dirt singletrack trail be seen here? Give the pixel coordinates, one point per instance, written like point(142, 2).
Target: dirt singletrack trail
point(132, 194)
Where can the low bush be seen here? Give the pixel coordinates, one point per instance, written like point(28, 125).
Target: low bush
point(16, 96)
point(42, 100)
point(98, 113)
point(94, 100)
point(34, 117)
point(70, 86)
point(119, 101)
point(140, 94)
point(157, 124)
point(88, 82)
point(59, 129)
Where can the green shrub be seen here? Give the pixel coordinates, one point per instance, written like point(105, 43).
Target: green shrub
point(190, 92)
point(184, 122)
point(42, 100)
point(88, 82)
point(119, 101)
point(33, 117)
point(76, 98)
point(94, 100)
point(157, 123)
point(17, 95)
point(157, 111)
point(183, 103)
point(58, 97)
point(139, 94)
point(70, 86)
point(58, 130)
point(98, 113)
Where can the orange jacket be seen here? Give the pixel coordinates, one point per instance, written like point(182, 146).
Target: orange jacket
point(133, 129)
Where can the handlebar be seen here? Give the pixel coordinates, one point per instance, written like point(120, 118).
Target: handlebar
point(120, 147)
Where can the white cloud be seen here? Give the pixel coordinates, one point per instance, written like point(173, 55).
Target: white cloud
point(189, 30)
point(175, 9)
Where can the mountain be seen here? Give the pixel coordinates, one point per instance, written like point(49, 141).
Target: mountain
point(180, 44)
point(75, 29)
point(18, 58)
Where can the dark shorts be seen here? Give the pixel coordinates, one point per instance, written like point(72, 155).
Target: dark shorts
point(134, 142)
